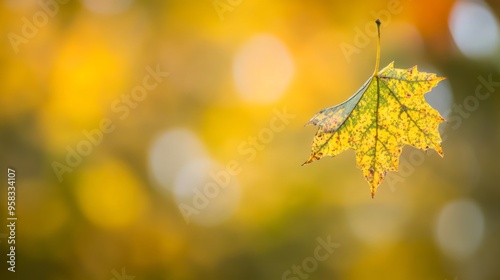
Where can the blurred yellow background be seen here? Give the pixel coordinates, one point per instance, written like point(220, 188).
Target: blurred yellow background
point(164, 140)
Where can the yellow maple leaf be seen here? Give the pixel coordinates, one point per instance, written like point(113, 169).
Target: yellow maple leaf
point(386, 113)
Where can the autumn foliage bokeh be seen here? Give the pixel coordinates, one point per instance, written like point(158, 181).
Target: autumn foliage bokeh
point(241, 78)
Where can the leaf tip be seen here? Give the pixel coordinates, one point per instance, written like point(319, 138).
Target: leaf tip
point(440, 152)
point(312, 121)
point(307, 161)
point(309, 123)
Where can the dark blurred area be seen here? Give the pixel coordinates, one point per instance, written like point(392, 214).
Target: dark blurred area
point(164, 140)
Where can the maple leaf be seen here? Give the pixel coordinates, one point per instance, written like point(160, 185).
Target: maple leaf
point(386, 113)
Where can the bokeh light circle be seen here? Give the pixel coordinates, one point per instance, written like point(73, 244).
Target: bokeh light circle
point(263, 69)
point(474, 29)
point(110, 195)
point(170, 152)
point(107, 7)
point(459, 229)
point(206, 192)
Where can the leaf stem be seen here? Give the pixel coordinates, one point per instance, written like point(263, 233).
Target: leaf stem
point(375, 74)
